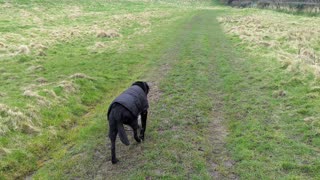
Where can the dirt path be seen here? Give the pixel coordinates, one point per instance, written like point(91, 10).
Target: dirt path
point(155, 76)
point(186, 133)
point(221, 165)
point(192, 49)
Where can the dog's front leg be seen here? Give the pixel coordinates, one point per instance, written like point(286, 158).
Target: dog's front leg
point(135, 126)
point(144, 124)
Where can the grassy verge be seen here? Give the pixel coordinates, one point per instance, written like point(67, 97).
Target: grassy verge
point(272, 110)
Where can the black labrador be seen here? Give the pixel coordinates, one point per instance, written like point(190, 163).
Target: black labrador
point(125, 109)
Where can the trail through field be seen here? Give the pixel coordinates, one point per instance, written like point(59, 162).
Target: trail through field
point(186, 108)
point(187, 131)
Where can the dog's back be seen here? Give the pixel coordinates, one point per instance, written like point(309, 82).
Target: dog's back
point(133, 99)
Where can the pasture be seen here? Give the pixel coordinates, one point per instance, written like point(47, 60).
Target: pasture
point(235, 93)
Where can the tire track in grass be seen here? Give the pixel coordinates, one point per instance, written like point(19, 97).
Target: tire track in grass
point(134, 155)
point(187, 135)
point(220, 164)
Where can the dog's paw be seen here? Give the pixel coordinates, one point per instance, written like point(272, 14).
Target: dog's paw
point(141, 137)
point(138, 140)
point(114, 161)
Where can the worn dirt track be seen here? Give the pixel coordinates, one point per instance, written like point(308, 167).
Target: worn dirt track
point(219, 164)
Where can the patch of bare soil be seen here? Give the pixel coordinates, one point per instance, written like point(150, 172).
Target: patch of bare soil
point(220, 162)
point(220, 165)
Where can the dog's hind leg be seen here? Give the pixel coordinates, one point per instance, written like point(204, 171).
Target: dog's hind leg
point(122, 134)
point(113, 136)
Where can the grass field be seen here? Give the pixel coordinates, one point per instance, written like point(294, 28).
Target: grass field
point(234, 95)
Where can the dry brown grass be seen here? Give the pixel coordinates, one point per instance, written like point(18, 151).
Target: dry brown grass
point(75, 12)
point(27, 120)
point(80, 76)
point(23, 49)
point(41, 101)
point(2, 45)
point(279, 93)
point(43, 35)
point(99, 45)
point(2, 94)
point(38, 46)
point(180, 4)
point(292, 39)
point(68, 86)
point(14, 119)
point(5, 151)
point(35, 68)
point(109, 34)
point(44, 86)
point(51, 93)
point(290, 8)
point(41, 80)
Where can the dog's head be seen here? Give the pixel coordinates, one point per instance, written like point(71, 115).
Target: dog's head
point(143, 85)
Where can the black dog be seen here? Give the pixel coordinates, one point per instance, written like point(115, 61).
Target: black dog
point(125, 109)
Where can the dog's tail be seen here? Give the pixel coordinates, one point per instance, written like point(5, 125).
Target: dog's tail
point(122, 134)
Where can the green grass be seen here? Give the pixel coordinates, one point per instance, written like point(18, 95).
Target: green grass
point(274, 135)
point(270, 136)
point(197, 74)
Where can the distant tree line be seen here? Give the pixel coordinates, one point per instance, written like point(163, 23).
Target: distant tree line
point(312, 6)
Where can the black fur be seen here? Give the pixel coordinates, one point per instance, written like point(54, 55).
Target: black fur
point(119, 115)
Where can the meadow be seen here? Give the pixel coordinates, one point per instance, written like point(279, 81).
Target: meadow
point(234, 92)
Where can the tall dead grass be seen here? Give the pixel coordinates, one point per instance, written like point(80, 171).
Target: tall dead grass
point(292, 39)
point(28, 120)
point(48, 30)
point(179, 3)
point(12, 119)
